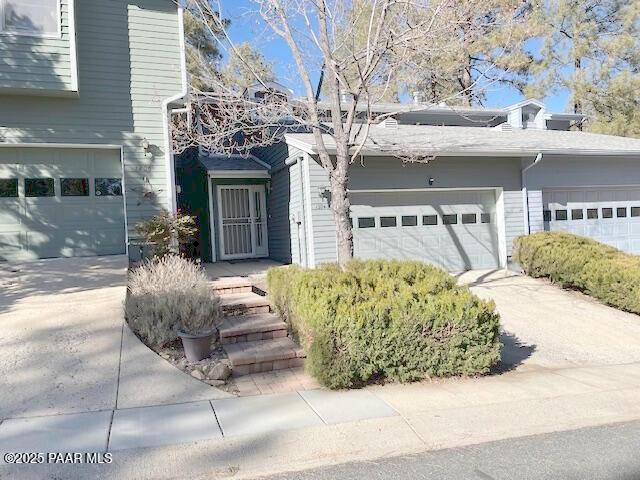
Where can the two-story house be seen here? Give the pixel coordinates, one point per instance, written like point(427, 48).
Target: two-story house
point(85, 90)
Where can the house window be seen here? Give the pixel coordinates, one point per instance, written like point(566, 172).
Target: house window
point(621, 212)
point(592, 213)
point(409, 220)
point(366, 222)
point(388, 221)
point(39, 187)
point(485, 218)
point(561, 215)
point(429, 220)
point(577, 214)
point(546, 215)
point(469, 218)
point(74, 187)
point(108, 187)
point(450, 219)
point(30, 17)
point(635, 211)
point(8, 187)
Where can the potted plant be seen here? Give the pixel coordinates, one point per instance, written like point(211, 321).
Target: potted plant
point(170, 297)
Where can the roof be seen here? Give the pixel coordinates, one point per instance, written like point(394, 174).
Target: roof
point(232, 163)
point(392, 107)
point(449, 141)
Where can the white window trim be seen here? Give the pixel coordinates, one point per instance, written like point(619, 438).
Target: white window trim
point(19, 33)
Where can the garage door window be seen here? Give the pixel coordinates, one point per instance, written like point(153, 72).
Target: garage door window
point(607, 213)
point(469, 218)
point(108, 187)
point(621, 212)
point(449, 219)
point(561, 215)
point(39, 187)
point(592, 213)
point(388, 221)
point(74, 187)
point(485, 217)
point(409, 220)
point(366, 222)
point(8, 187)
point(429, 220)
point(635, 211)
point(577, 214)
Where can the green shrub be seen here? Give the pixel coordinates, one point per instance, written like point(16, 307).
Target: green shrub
point(168, 294)
point(166, 232)
point(599, 270)
point(385, 319)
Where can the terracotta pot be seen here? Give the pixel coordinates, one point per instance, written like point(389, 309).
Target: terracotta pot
point(196, 347)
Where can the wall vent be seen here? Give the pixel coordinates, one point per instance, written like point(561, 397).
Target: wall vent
point(389, 122)
point(504, 127)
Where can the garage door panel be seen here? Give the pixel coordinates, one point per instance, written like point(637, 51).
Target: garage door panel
point(57, 226)
point(619, 231)
point(456, 247)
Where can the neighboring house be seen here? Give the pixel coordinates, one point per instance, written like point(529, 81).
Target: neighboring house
point(494, 174)
point(85, 88)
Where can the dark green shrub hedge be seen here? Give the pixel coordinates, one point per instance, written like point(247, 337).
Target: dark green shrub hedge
point(599, 270)
point(398, 320)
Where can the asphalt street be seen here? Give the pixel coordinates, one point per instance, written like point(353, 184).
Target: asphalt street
point(607, 452)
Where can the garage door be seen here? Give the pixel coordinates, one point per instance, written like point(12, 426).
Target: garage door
point(609, 215)
point(455, 229)
point(60, 203)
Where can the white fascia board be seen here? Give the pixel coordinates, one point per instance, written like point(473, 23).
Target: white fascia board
point(238, 174)
point(92, 146)
point(73, 45)
point(301, 145)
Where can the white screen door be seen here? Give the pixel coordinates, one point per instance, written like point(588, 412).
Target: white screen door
point(242, 221)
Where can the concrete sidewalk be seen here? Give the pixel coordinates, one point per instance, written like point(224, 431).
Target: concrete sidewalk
point(276, 433)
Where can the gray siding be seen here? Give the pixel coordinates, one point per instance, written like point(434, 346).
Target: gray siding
point(129, 62)
point(513, 217)
point(286, 237)
point(36, 63)
point(536, 223)
point(324, 229)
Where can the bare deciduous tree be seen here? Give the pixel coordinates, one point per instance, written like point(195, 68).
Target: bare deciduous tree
point(357, 65)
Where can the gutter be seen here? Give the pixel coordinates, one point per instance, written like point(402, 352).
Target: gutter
point(166, 116)
point(525, 194)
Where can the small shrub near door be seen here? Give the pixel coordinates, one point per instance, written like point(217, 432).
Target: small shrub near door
point(385, 320)
point(594, 268)
point(168, 294)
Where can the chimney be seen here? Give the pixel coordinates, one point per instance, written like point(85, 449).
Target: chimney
point(417, 97)
point(344, 96)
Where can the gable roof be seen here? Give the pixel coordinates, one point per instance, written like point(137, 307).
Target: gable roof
point(481, 141)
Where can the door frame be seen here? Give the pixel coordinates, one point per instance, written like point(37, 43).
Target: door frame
point(252, 188)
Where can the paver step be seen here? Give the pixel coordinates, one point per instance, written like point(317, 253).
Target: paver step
point(247, 303)
point(264, 356)
point(232, 285)
point(250, 328)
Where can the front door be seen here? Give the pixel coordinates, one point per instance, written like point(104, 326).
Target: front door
point(242, 221)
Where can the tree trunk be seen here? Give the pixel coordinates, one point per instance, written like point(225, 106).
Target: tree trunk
point(466, 83)
point(340, 207)
point(577, 103)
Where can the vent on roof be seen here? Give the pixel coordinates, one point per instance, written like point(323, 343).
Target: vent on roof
point(505, 127)
point(389, 122)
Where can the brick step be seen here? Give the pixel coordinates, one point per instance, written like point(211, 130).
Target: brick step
point(248, 303)
point(232, 285)
point(264, 356)
point(250, 328)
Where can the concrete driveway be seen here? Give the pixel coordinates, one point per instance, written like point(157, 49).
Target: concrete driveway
point(64, 347)
point(545, 326)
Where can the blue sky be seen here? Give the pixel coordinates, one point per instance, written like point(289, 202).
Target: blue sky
point(246, 27)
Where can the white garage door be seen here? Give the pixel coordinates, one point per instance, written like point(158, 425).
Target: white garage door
point(455, 229)
point(60, 203)
point(609, 215)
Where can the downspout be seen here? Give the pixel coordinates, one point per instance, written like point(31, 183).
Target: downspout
point(300, 222)
point(166, 118)
point(525, 194)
